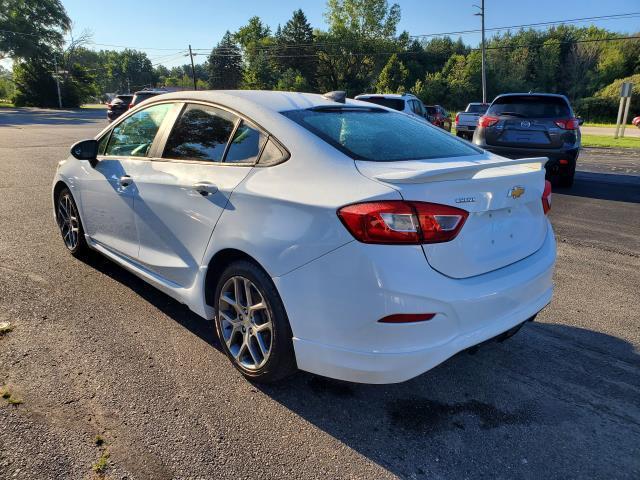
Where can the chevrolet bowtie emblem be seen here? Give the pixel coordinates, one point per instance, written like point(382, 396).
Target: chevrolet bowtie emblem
point(516, 192)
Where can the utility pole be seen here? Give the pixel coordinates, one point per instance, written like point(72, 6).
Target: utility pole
point(193, 70)
point(57, 75)
point(484, 72)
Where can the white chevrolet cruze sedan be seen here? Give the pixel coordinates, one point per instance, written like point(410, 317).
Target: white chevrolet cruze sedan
point(323, 234)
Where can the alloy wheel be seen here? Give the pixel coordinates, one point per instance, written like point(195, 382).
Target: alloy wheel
point(68, 221)
point(245, 322)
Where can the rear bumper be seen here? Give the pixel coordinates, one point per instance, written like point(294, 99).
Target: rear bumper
point(334, 303)
point(554, 156)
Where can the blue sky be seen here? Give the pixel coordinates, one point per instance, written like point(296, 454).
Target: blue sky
point(170, 24)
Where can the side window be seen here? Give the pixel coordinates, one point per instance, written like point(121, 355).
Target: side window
point(134, 136)
point(419, 108)
point(102, 143)
point(201, 133)
point(271, 154)
point(246, 144)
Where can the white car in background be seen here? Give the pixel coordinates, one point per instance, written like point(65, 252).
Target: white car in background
point(337, 237)
point(405, 102)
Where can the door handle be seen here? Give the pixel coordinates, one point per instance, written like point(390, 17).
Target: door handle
point(125, 181)
point(205, 188)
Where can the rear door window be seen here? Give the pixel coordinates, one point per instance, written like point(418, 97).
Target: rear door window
point(200, 133)
point(246, 144)
point(530, 106)
point(134, 136)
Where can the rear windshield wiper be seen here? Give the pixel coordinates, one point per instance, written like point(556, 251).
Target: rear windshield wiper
point(513, 114)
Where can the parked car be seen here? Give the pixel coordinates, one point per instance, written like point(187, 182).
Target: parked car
point(145, 94)
point(519, 125)
point(439, 117)
point(407, 103)
point(636, 121)
point(330, 235)
point(466, 121)
point(118, 105)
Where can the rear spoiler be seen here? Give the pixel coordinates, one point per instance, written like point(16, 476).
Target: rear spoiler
point(466, 170)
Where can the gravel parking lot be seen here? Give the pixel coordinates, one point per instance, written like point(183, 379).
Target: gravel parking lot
point(96, 352)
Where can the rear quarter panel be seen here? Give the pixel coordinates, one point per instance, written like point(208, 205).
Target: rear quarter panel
point(285, 215)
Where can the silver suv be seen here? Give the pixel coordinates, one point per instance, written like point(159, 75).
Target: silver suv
point(406, 102)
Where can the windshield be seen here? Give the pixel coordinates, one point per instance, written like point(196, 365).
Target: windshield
point(477, 108)
point(380, 135)
point(530, 106)
point(395, 103)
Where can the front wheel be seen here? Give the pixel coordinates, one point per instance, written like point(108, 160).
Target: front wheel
point(68, 220)
point(252, 324)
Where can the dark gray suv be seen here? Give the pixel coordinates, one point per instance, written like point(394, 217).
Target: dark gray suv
point(520, 125)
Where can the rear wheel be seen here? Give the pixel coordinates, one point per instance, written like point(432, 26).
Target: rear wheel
point(69, 223)
point(252, 324)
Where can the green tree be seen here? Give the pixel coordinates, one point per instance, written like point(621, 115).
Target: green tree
point(35, 85)
point(259, 71)
point(348, 54)
point(393, 76)
point(225, 64)
point(296, 49)
point(31, 27)
point(292, 81)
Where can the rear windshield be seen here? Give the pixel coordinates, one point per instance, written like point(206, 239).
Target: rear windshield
point(395, 103)
point(123, 98)
point(530, 106)
point(477, 108)
point(380, 135)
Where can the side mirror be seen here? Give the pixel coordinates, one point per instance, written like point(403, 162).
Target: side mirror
point(580, 121)
point(85, 150)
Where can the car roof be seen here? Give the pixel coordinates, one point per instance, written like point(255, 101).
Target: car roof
point(265, 100)
point(386, 95)
point(153, 92)
point(531, 94)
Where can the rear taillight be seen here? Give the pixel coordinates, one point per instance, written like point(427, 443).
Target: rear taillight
point(568, 124)
point(457, 118)
point(487, 121)
point(400, 222)
point(546, 197)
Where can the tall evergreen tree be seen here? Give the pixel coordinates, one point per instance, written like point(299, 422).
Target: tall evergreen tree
point(393, 77)
point(296, 49)
point(225, 64)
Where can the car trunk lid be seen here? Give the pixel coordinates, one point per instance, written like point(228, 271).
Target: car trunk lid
point(506, 221)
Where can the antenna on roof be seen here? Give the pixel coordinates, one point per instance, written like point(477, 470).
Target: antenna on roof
point(337, 96)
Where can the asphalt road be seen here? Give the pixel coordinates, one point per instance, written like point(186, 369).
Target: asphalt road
point(95, 351)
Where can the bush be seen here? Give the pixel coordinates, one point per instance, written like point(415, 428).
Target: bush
point(596, 109)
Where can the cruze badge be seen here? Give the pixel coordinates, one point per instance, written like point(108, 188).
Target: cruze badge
point(516, 192)
point(465, 200)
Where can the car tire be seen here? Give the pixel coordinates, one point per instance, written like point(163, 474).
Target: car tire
point(70, 224)
point(566, 180)
point(252, 324)
point(461, 135)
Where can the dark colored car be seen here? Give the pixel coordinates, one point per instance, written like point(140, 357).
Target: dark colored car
point(143, 95)
point(438, 116)
point(520, 125)
point(118, 106)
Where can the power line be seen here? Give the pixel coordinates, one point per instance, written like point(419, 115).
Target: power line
point(459, 32)
point(500, 47)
